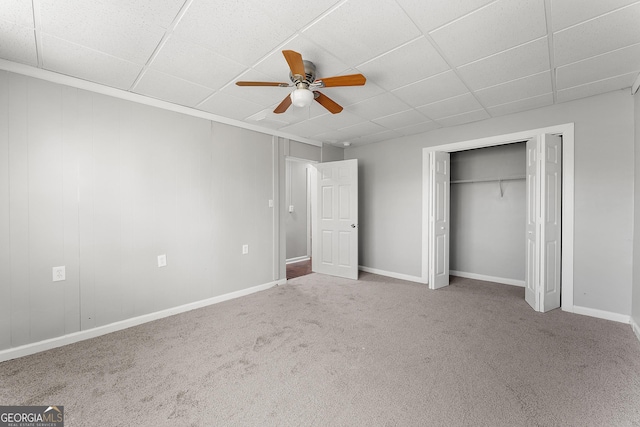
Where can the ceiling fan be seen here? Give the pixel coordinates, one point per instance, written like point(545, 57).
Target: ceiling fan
point(303, 78)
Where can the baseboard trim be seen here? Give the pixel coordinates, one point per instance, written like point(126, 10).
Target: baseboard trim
point(392, 274)
point(298, 259)
point(502, 280)
point(37, 347)
point(635, 327)
point(601, 314)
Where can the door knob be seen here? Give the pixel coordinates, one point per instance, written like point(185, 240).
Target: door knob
point(353, 225)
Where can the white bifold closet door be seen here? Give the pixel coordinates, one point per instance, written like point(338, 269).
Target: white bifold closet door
point(440, 179)
point(543, 229)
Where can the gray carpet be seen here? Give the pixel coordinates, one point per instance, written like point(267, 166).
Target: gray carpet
point(322, 351)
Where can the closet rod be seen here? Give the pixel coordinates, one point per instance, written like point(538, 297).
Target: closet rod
point(507, 178)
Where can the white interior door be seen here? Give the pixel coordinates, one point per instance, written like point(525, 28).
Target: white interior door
point(544, 231)
point(439, 219)
point(335, 218)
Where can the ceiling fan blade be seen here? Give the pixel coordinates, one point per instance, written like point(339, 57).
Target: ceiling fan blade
point(328, 103)
point(294, 59)
point(349, 80)
point(282, 107)
point(263, 84)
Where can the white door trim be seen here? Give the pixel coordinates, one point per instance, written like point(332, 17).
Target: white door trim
point(568, 168)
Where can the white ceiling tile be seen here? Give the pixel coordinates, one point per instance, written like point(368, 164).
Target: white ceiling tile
point(18, 43)
point(130, 30)
point(596, 88)
point(331, 137)
point(362, 129)
point(306, 129)
point(242, 34)
point(522, 105)
point(472, 116)
point(436, 13)
point(491, 29)
point(411, 62)
point(169, 88)
point(565, 13)
point(79, 61)
point(376, 137)
point(422, 127)
point(19, 12)
point(337, 121)
point(275, 65)
point(378, 106)
point(195, 63)
point(511, 64)
point(354, 32)
point(298, 15)
point(402, 119)
point(526, 87)
point(448, 107)
point(229, 106)
point(349, 95)
point(608, 32)
point(436, 88)
point(611, 64)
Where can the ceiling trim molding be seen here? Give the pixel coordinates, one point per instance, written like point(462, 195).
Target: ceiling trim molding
point(62, 79)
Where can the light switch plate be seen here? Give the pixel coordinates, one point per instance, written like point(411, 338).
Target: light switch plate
point(162, 260)
point(245, 249)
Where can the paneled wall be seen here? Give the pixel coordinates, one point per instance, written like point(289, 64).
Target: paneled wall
point(103, 186)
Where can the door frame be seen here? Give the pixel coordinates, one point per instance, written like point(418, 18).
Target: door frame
point(568, 168)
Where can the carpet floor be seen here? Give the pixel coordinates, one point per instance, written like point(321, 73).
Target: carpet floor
point(322, 351)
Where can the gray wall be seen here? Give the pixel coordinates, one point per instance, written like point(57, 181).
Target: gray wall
point(332, 153)
point(296, 223)
point(391, 194)
point(635, 312)
point(104, 186)
point(487, 228)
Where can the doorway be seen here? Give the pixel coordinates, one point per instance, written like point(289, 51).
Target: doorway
point(297, 222)
point(435, 243)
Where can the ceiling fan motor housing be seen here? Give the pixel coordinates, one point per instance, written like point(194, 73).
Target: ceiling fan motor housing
point(309, 77)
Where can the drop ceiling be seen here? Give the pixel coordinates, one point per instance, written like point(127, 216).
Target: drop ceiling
point(428, 63)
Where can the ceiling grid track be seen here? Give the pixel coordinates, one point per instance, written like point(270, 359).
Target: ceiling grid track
point(37, 30)
point(162, 42)
point(448, 61)
point(552, 66)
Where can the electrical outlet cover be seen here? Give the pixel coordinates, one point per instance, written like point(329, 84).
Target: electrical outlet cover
point(59, 274)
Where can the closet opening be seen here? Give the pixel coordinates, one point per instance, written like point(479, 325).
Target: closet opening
point(549, 213)
point(488, 214)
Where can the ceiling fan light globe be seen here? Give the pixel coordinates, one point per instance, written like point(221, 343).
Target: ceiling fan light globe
point(301, 97)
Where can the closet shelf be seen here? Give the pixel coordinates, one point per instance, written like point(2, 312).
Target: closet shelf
point(506, 178)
